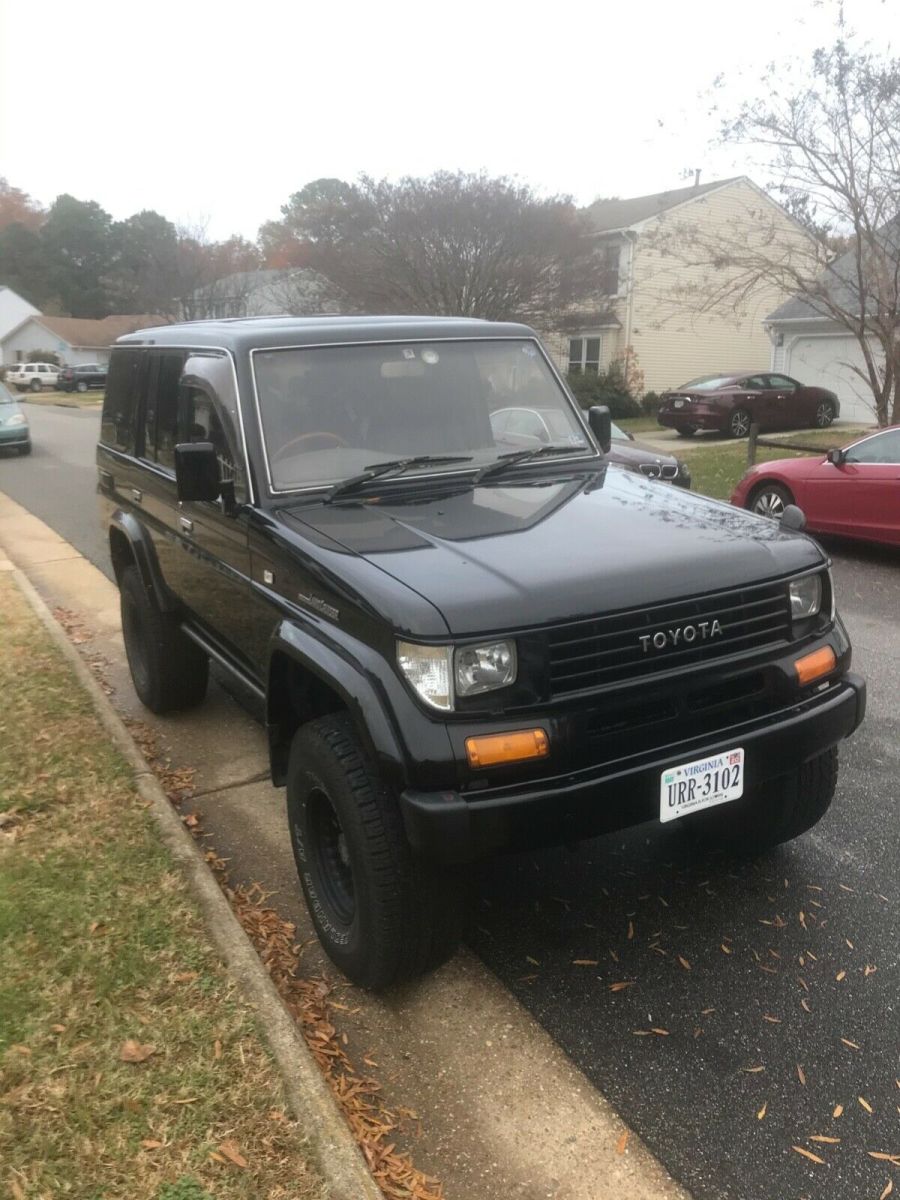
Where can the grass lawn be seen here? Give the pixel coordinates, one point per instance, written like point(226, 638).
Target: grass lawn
point(637, 425)
point(90, 399)
point(130, 1066)
point(717, 467)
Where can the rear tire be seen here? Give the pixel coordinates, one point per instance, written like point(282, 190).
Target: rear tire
point(381, 913)
point(169, 671)
point(81, 386)
point(36, 385)
point(824, 414)
point(770, 500)
point(777, 812)
point(739, 423)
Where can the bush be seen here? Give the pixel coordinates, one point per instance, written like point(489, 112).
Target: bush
point(650, 403)
point(605, 387)
point(45, 356)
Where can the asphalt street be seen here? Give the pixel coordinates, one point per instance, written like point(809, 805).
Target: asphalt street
point(758, 1010)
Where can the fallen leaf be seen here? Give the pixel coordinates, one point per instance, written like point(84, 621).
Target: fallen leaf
point(762, 1111)
point(218, 1158)
point(231, 1152)
point(772, 1020)
point(804, 1004)
point(852, 1045)
point(135, 1052)
point(584, 962)
point(866, 1105)
point(704, 1012)
point(623, 1141)
point(888, 1188)
point(838, 1110)
point(752, 1070)
point(725, 949)
point(217, 1049)
point(661, 1032)
point(869, 970)
point(630, 930)
point(684, 962)
point(840, 975)
point(16, 1189)
point(800, 1075)
point(809, 1154)
point(187, 976)
point(893, 1159)
point(621, 985)
point(151, 1144)
point(534, 962)
point(821, 1137)
point(849, 943)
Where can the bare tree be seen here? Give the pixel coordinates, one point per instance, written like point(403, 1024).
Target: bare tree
point(453, 243)
point(831, 141)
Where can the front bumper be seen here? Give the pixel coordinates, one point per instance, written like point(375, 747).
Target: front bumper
point(14, 435)
point(453, 828)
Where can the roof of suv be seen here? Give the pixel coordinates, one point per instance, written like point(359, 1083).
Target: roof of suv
point(247, 333)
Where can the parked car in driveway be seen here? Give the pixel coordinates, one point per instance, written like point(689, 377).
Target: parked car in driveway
point(81, 377)
point(854, 492)
point(14, 431)
point(731, 403)
point(521, 428)
point(34, 377)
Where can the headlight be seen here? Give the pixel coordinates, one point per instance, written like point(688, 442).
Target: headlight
point(806, 596)
point(440, 673)
point(483, 668)
point(427, 668)
point(16, 419)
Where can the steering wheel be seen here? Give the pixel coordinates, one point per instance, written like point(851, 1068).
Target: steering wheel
point(319, 440)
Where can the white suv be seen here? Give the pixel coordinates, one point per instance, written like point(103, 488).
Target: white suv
point(34, 377)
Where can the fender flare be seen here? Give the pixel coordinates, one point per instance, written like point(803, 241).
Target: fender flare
point(341, 670)
point(144, 553)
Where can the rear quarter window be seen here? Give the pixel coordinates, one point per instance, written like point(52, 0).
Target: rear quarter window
point(118, 424)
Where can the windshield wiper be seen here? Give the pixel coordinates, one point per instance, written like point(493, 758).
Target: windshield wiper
point(395, 467)
point(499, 465)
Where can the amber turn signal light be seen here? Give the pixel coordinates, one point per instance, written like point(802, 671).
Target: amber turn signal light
point(813, 666)
point(507, 747)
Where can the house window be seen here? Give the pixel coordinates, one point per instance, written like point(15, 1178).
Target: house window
point(609, 269)
point(584, 355)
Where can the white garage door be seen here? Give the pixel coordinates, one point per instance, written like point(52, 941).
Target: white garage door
point(828, 362)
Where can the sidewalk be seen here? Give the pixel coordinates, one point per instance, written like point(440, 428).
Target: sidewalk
point(467, 1082)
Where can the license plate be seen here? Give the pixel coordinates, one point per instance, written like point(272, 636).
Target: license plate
point(678, 404)
point(703, 783)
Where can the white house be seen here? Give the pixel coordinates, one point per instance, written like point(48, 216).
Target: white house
point(72, 339)
point(808, 345)
point(13, 311)
point(295, 291)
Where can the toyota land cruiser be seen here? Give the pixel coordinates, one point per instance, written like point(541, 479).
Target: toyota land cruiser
point(461, 645)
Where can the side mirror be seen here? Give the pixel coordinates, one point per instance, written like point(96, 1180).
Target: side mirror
point(601, 425)
point(836, 457)
point(197, 471)
point(793, 519)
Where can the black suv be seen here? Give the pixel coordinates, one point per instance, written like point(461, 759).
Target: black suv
point(460, 645)
point(81, 377)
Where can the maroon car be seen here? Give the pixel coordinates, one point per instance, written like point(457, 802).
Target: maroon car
point(730, 404)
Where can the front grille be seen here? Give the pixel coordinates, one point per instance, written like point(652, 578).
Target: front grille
point(659, 470)
point(585, 655)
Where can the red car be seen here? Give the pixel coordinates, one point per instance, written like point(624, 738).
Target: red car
point(854, 492)
point(732, 403)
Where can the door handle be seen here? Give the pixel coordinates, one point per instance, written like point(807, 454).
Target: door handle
point(137, 495)
point(186, 524)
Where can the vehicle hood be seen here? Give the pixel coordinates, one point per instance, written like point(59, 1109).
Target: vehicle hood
point(632, 454)
point(494, 557)
point(792, 468)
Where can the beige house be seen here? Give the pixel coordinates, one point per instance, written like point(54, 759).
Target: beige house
point(658, 275)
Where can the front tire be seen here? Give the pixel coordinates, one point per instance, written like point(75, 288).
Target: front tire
point(81, 386)
point(770, 500)
point(382, 914)
point(777, 812)
point(169, 671)
point(824, 414)
point(739, 423)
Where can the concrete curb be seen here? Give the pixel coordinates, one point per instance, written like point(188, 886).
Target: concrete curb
point(337, 1155)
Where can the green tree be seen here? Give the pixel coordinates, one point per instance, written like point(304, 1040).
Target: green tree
point(144, 271)
point(26, 267)
point(78, 240)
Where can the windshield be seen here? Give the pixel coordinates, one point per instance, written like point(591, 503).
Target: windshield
point(331, 412)
point(707, 383)
point(5, 396)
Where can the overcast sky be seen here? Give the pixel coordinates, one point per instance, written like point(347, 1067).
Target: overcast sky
point(216, 112)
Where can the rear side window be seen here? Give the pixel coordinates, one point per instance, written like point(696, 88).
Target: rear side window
point(161, 431)
point(118, 425)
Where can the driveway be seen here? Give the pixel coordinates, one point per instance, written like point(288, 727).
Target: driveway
point(760, 1009)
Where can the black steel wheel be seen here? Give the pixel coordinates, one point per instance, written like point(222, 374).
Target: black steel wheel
point(168, 670)
point(381, 913)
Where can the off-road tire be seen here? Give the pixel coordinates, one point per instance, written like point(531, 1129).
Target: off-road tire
point(382, 914)
point(824, 414)
point(169, 671)
point(739, 423)
point(770, 500)
point(776, 812)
